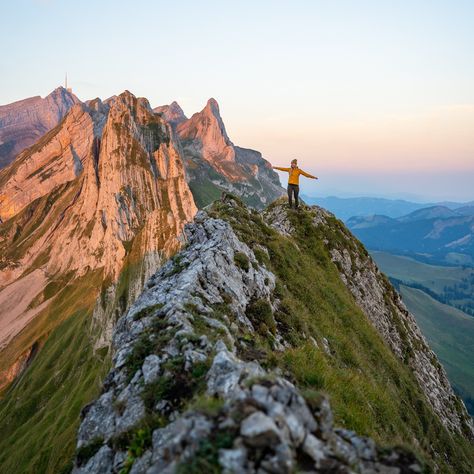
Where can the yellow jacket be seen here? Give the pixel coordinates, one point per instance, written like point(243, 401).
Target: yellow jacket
point(294, 174)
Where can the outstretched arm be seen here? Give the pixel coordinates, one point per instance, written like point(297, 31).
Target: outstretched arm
point(280, 168)
point(307, 174)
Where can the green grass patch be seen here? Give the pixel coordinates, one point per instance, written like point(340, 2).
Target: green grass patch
point(84, 453)
point(260, 315)
point(206, 458)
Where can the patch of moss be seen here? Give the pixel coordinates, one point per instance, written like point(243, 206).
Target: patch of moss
point(178, 264)
point(206, 458)
point(147, 311)
point(141, 349)
point(84, 453)
point(177, 386)
point(210, 406)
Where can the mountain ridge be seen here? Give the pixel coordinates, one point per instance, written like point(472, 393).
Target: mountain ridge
point(160, 346)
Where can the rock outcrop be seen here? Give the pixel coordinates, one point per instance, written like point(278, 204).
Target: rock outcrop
point(181, 398)
point(213, 163)
point(22, 123)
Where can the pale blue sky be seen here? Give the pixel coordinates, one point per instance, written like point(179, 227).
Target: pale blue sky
point(362, 92)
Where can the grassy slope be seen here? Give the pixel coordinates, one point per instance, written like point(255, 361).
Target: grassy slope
point(204, 192)
point(39, 416)
point(39, 412)
point(450, 333)
point(371, 391)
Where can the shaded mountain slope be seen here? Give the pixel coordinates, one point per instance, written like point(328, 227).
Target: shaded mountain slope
point(451, 334)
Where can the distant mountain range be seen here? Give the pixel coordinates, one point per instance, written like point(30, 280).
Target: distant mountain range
point(344, 208)
point(435, 234)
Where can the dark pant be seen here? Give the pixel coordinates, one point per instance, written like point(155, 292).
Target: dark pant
point(293, 190)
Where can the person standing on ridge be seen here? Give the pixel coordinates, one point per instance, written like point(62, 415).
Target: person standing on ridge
point(294, 181)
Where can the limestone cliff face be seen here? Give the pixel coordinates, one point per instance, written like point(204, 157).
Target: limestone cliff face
point(104, 190)
point(22, 123)
point(213, 163)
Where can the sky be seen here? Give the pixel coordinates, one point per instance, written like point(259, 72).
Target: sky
point(374, 97)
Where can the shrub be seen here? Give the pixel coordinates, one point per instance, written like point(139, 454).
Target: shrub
point(242, 261)
point(261, 316)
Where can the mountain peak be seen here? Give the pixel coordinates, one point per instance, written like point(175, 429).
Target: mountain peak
point(211, 111)
point(23, 122)
point(172, 113)
point(212, 107)
point(63, 94)
point(426, 213)
point(213, 104)
point(129, 100)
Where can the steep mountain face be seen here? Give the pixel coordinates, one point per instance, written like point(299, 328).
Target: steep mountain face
point(226, 360)
point(435, 234)
point(213, 163)
point(22, 123)
point(102, 192)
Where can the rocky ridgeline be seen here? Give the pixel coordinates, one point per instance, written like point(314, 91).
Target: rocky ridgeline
point(383, 306)
point(185, 395)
